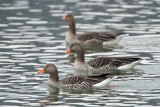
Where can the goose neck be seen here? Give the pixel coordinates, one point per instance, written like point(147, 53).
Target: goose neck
point(54, 77)
point(80, 57)
point(72, 27)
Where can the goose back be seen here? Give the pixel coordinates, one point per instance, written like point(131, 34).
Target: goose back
point(80, 82)
point(111, 61)
point(100, 36)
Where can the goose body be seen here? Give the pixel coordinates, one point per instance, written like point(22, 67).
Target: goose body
point(89, 38)
point(75, 82)
point(100, 65)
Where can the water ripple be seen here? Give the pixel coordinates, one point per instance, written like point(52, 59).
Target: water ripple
point(32, 34)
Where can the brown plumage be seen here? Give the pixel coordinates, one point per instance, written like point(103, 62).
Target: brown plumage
point(72, 82)
point(100, 65)
point(111, 61)
point(100, 36)
point(88, 37)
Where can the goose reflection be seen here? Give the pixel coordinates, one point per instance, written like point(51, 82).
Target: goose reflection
point(52, 96)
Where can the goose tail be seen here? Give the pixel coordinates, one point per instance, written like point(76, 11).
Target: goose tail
point(105, 82)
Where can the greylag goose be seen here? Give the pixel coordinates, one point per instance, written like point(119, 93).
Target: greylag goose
point(89, 38)
point(100, 65)
point(75, 82)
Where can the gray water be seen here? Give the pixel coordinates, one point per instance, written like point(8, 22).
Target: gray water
point(33, 34)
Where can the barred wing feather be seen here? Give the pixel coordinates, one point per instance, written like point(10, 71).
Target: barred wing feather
point(99, 62)
point(111, 61)
point(101, 36)
point(80, 82)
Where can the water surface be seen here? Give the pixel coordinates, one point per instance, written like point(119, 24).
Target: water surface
point(33, 34)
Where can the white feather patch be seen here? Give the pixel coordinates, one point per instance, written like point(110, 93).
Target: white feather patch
point(128, 66)
point(115, 41)
point(104, 83)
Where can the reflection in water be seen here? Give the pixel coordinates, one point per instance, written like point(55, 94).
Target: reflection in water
point(52, 97)
point(94, 49)
point(131, 71)
point(98, 48)
point(53, 94)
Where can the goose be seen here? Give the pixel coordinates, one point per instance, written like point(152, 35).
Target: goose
point(89, 38)
point(100, 65)
point(75, 82)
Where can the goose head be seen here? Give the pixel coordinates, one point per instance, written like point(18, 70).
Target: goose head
point(69, 18)
point(75, 48)
point(49, 68)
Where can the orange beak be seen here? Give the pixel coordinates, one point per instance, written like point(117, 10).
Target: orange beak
point(68, 51)
point(41, 71)
point(63, 18)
